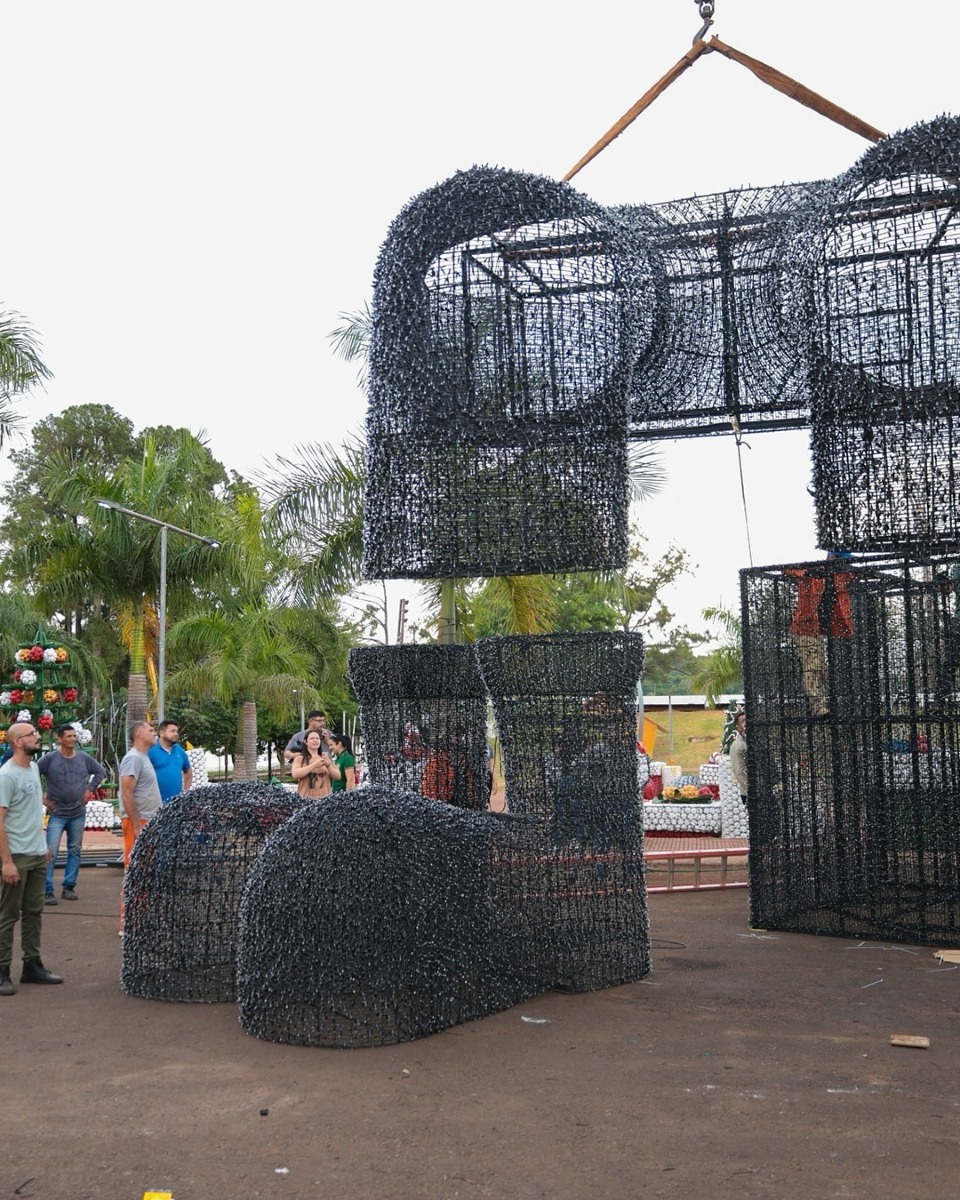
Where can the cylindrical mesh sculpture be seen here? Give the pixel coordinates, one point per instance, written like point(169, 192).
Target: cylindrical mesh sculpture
point(409, 916)
point(424, 717)
point(183, 887)
point(880, 302)
point(566, 712)
point(854, 748)
point(508, 313)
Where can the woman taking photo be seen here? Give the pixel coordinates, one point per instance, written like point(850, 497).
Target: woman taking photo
point(314, 770)
point(346, 763)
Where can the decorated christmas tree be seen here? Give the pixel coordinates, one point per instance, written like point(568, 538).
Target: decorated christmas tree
point(41, 690)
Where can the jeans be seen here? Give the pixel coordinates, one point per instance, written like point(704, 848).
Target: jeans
point(55, 827)
point(23, 903)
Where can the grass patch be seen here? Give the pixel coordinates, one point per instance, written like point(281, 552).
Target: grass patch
point(696, 735)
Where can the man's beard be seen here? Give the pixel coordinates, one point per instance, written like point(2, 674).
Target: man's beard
point(34, 750)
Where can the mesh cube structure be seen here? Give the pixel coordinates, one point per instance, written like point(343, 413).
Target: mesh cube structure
point(566, 712)
point(851, 676)
point(727, 357)
point(878, 296)
point(411, 917)
point(423, 711)
point(183, 887)
point(508, 314)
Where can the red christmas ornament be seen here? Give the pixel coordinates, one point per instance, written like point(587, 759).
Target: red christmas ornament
point(16, 696)
point(36, 654)
point(69, 695)
point(45, 723)
point(17, 673)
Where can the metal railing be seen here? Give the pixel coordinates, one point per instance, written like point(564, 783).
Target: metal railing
point(695, 859)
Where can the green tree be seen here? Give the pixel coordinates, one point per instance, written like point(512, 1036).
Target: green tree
point(21, 367)
point(250, 649)
point(721, 671)
point(669, 668)
point(114, 559)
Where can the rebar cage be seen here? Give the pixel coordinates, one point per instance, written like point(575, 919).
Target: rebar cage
point(854, 747)
point(412, 916)
point(566, 712)
point(424, 715)
point(879, 299)
point(183, 886)
point(508, 313)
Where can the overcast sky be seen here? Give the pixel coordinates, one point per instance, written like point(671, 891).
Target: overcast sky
point(192, 192)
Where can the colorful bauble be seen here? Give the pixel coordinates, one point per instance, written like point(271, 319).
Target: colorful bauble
point(50, 696)
point(28, 678)
point(24, 715)
point(16, 696)
point(44, 723)
point(70, 695)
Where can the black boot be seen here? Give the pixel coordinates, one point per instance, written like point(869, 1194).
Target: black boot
point(35, 972)
point(6, 983)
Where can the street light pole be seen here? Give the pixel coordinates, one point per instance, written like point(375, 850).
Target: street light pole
point(162, 630)
point(165, 528)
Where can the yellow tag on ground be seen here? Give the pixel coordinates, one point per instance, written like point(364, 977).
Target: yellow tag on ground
point(158, 1196)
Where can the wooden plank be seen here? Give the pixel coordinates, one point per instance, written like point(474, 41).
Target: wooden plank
point(910, 1039)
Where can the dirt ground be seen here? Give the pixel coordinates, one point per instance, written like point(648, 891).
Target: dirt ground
point(745, 1065)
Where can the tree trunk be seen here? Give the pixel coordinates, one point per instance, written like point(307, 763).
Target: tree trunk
point(245, 762)
point(136, 701)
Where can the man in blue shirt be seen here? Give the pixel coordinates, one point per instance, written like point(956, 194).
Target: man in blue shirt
point(170, 761)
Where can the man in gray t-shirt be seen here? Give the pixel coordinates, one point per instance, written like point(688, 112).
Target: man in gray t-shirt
point(139, 791)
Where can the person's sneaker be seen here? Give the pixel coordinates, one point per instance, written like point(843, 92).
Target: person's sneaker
point(68, 894)
point(35, 972)
point(50, 898)
point(6, 983)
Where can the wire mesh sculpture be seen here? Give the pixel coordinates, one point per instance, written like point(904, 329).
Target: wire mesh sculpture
point(183, 886)
point(566, 711)
point(879, 300)
point(854, 747)
point(410, 919)
point(508, 313)
point(726, 359)
point(424, 718)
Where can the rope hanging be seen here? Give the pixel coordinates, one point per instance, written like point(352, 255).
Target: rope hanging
point(763, 71)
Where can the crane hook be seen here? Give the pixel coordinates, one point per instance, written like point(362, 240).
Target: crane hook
point(706, 8)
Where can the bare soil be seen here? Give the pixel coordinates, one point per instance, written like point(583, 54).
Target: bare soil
point(746, 1065)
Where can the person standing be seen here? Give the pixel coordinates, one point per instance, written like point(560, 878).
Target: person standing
point(343, 757)
point(23, 859)
point(313, 768)
point(315, 720)
point(72, 776)
point(170, 761)
point(139, 791)
point(738, 755)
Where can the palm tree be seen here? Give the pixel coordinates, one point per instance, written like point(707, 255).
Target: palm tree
point(115, 559)
point(721, 670)
point(246, 646)
point(251, 656)
point(20, 367)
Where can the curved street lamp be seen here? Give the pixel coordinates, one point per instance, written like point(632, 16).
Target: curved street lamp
point(164, 526)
